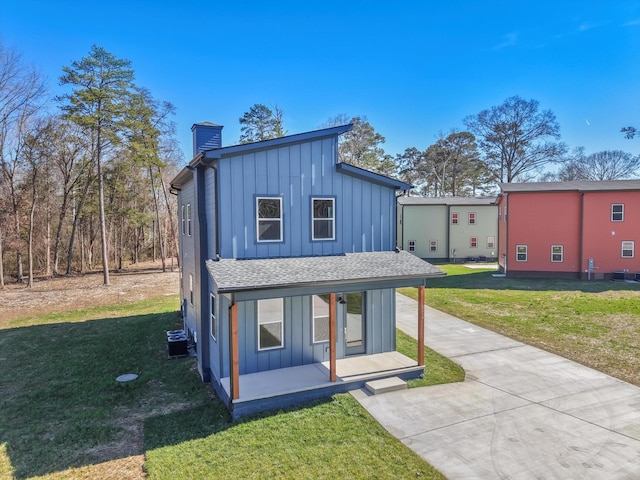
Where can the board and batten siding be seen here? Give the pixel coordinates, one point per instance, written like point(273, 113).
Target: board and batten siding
point(187, 252)
point(299, 348)
point(364, 217)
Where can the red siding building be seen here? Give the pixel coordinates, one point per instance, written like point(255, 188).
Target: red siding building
point(569, 229)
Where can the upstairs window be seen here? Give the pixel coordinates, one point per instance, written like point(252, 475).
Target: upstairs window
point(183, 220)
point(323, 219)
point(455, 217)
point(188, 219)
point(491, 242)
point(412, 245)
point(191, 289)
point(521, 253)
point(433, 245)
point(617, 212)
point(270, 323)
point(628, 248)
point(473, 242)
point(472, 218)
point(557, 253)
point(269, 219)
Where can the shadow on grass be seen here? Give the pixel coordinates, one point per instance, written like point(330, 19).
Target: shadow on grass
point(485, 280)
point(60, 405)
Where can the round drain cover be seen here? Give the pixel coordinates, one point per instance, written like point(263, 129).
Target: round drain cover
point(127, 377)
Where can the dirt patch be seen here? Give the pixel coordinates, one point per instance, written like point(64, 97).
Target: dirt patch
point(137, 282)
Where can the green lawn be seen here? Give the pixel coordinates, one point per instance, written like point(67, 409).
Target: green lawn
point(595, 323)
point(63, 415)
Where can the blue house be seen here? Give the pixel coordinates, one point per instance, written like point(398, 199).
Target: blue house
point(289, 268)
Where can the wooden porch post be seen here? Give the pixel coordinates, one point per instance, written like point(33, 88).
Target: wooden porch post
point(332, 337)
point(235, 375)
point(421, 325)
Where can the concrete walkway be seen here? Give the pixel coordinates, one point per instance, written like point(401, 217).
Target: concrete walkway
point(521, 413)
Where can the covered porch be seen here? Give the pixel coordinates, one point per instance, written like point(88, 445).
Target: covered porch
point(276, 388)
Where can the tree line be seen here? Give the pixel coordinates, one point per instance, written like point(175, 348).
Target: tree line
point(84, 175)
point(513, 141)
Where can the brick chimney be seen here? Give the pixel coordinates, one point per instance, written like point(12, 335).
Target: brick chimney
point(206, 136)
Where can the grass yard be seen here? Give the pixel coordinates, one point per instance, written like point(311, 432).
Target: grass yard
point(595, 323)
point(63, 415)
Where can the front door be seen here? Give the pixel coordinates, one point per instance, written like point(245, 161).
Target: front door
point(354, 331)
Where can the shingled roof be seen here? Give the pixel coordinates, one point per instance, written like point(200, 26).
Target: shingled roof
point(233, 275)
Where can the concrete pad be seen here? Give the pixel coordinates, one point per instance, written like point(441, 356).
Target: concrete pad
point(532, 442)
point(386, 385)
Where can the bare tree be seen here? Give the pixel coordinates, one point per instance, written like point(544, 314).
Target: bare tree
point(22, 94)
point(605, 165)
point(516, 138)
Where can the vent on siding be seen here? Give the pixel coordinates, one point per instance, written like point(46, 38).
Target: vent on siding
point(206, 136)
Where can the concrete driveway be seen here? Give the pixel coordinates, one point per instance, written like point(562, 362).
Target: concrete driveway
point(521, 413)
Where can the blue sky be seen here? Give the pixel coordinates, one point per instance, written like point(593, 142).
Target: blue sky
point(413, 68)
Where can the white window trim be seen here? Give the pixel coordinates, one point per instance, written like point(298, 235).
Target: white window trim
point(412, 245)
point(631, 245)
point(188, 219)
point(435, 243)
point(332, 219)
point(475, 218)
point(561, 253)
point(526, 253)
point(281, 322)
point(279, 219)
point(191, 294)
point(314, 316)
point(617, 213)
point(457, 217)
point(492, 243)
point(213, 327)
point(471, 245)
point(184, 221)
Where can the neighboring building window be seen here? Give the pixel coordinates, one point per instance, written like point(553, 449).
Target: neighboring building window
point(557, 253)
point(473, 242)
point(521, 253)
point(320, 305)
point(617, 212)
point(433, 245)
point(270, 323)
point(184, 221)
point(412, 245)
point(269, 219)
point(499, 214)
point(491, 242)
point(191, 289)
point(214, 324)
point(472, 218)
point(628, 248)
point(189, 219)
point(454, 218)
point(323, 218)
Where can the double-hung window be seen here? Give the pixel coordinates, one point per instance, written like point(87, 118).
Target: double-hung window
point(472, 218)
point(188, 219)
point(269, 219)
point(323, 211)
point(183, 219)
point(455, 217)
point(521, 253)
point(191, 289)
point(557, 253)
point(320, 305)
point(412, 245)
point(491, 242)
point(433, 245)
point(628, 249)
point(270, 323)
point(617, 212)
point(473, 242)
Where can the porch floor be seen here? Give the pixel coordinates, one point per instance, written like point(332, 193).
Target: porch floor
point(286, 381)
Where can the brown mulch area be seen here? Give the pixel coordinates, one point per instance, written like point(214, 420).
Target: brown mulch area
point(136, 282)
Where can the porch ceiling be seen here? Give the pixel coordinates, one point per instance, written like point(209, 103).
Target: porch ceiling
point(403, 268)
